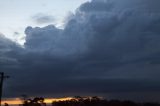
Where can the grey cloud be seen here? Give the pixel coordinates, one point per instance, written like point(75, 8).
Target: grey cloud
point(107, 46)
point(60, 43)
point(96, 6)
point(43, 18)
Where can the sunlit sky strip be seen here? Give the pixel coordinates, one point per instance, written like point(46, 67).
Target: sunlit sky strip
point(17, 101)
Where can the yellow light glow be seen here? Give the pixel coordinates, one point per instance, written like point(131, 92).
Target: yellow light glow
point(12, 101)
point(50, 100)
point(17, 101)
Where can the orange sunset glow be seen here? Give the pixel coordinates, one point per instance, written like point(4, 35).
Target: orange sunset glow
point(17, 101)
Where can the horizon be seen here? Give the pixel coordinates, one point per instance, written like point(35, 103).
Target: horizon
point(17, 101)
point(49, 101)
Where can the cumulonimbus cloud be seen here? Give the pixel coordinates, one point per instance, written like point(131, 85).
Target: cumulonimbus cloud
point(107, 46)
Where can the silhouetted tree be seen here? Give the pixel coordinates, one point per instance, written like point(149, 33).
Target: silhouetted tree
point(34, 102)
point(6, 104)
point(96, 101)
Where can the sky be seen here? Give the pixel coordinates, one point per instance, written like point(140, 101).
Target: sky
point(16, 15)
point(106, 48)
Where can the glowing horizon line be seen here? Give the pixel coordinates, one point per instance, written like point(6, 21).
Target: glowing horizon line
point(17, 101)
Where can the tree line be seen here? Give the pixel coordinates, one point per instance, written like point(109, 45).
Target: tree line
point(85, 101)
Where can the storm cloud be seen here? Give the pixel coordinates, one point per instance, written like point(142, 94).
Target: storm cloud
point(108, 46)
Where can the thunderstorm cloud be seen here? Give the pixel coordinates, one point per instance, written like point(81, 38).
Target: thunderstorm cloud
point(107, 47)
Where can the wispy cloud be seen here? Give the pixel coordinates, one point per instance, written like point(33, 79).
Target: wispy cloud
point(42, 18)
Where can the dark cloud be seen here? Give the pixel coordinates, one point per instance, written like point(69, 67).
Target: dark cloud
point(6, 47)
point(43, 18)
point(108, 46)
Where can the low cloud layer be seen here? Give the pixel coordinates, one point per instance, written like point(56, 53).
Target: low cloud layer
point(108, 46)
